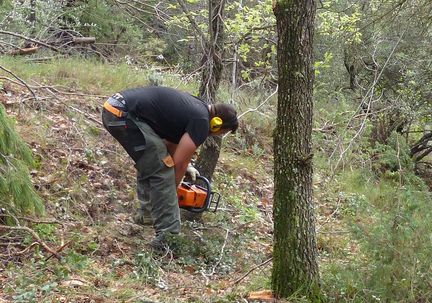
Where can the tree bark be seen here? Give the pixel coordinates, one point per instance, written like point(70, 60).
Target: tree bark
point(211, 77)
point(32, 21)
point(295, 269)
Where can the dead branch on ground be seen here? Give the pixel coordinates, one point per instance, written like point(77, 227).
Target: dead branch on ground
point(20, 80)
point(24, 51)
point(34, 235)
point(31, 40)
point(251, 270)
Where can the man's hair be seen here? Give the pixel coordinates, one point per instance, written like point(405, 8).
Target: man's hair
point(228, 115)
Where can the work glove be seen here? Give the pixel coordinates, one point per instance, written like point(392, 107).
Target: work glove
point(192, 171)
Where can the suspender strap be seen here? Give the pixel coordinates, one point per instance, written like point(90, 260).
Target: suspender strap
point(116, 112)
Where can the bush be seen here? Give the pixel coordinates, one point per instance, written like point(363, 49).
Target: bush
point(391, 234)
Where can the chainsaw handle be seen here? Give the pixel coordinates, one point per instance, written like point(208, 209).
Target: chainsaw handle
point(206, 182)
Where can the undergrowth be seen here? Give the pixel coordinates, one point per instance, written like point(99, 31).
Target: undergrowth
point(386, 215)
point(373, 217)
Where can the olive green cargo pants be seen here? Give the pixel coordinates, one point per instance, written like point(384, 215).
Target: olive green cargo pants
point(156, 182)
point(155, 171)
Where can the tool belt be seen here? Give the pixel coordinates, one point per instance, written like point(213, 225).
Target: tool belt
point(112, 105)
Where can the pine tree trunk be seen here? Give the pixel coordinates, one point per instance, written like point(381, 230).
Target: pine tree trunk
point(295, 268)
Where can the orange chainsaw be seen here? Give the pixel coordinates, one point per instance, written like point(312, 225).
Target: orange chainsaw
point(197, 197)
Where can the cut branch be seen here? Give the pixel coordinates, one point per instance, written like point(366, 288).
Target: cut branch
point(20, 80)
point(84, 40)
point(192, 21)
point(35, 236)
point(24, 51)
point(30, 39)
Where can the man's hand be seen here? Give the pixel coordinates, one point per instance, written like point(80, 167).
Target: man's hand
point(192, 171)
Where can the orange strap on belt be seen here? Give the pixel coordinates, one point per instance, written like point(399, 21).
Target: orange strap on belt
point(116, 112)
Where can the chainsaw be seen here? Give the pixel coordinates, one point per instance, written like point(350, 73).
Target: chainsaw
point(197, 197)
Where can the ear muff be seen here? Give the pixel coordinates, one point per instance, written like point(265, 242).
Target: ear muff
point(215, 124)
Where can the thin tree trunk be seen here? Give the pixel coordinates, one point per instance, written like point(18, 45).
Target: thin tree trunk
point(211, 77)
point(295, 268)
point(32, 21)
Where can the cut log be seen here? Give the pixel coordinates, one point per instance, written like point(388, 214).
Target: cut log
point(84, 40)
point(24, 51)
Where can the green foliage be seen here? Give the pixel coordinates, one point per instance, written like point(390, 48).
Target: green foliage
point(146, 268)
point(16, 190)
point(389, 220)
point(340, 23)
point(394, 155)
point(95, 18)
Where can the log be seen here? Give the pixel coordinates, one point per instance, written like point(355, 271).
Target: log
point(84, 40)
point(24, 51)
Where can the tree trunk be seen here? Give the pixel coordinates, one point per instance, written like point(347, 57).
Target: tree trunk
point(295, 268)
point(211, 76)
point(32, 21)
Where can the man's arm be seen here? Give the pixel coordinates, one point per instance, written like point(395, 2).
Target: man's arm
point(171, 147)
point(182, 156)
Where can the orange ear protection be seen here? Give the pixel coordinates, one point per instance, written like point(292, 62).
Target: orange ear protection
point(215, 124)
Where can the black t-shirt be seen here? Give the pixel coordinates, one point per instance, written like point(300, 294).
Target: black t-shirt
point(169, 112)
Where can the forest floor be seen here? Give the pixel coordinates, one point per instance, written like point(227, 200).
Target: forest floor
point(88, 185)
point(95, 253)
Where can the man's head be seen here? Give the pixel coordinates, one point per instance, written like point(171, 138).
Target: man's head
point(223, 119)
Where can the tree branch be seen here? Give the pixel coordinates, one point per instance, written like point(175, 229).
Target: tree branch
point(192, 21)
point(251, 270)
point(20, 80)
point(30, 39)
point(35, 236)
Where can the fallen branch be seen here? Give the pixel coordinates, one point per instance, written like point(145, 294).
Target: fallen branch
point(39, 221)
point(251, 270)
point(35, 236)
point(19, 253)
point(88, 116)
point(54, 89)
point(221, 254)
point(20, 80)
point(30, 219)
point(44, 59)
point(30, 39)
point(24, 51)
point(84, 40)
point(58, 250)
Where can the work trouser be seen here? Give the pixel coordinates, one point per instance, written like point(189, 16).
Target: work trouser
point(155, 172)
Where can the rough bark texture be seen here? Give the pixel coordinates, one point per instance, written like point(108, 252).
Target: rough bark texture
point(32, 22)
point(211, 76)
point(295, 268)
